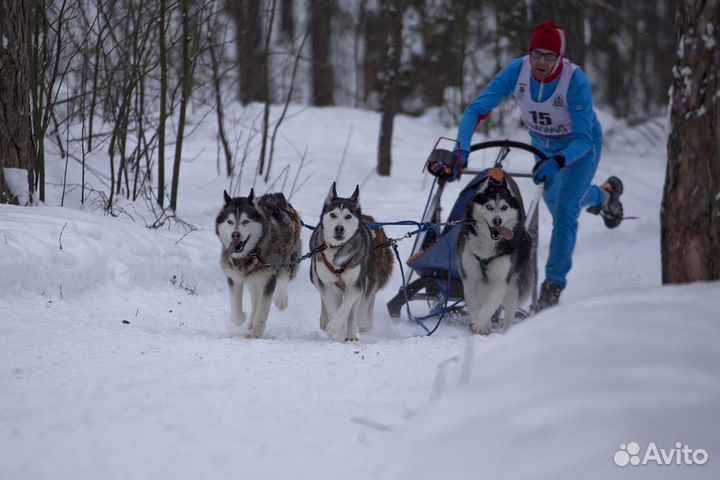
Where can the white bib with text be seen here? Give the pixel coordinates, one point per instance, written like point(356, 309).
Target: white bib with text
point(550, 118)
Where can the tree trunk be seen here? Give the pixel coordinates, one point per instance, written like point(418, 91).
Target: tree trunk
point(16, 142)
point(393, 20)
point(323, 83)
point(287, 20)
point(249, 39)
point(690, 215)
point(186, 87)
point(163, 103)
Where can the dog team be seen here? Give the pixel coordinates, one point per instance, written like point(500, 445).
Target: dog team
point(261, 248)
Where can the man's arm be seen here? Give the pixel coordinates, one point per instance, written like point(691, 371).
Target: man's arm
point(499, 89)
point(582, 117)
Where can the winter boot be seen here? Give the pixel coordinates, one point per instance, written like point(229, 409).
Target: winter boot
point(611, 210)
point(549, 295)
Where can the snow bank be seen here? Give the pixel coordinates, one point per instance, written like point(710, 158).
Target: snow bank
point(55, 251)
point(559, 395)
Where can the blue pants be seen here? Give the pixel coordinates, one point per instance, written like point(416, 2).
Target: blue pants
point(569, 192)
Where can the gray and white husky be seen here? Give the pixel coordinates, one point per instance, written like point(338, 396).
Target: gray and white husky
point(350, 271)
point(494, 254)
point(256, 232)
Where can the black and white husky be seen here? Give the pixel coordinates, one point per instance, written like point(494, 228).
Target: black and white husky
point(494, 253)
point(350, 271)
point(255, 233)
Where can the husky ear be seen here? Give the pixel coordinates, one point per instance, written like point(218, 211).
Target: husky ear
point(355, 195)
point(227, 197)
point(332, 194)
point(483, 185)
point(251, 196)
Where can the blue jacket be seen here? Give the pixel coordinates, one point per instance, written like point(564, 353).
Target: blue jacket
point(586, 129)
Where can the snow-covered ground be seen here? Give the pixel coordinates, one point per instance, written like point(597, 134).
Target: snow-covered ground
point(117, 359)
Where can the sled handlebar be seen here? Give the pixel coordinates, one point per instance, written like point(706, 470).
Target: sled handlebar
point(508, 144)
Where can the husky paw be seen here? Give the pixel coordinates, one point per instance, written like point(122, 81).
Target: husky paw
point(238, 318)
point(253, 335)
point(281, 300)
point(481, 329)
point(352, 338)
point(334, 326)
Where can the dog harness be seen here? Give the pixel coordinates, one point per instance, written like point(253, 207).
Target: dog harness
point(484, 262)
point(339, 271)
point(247, 262)
point(550, 118)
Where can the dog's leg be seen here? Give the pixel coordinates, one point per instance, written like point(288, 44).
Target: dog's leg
point(281, 293)
point(262, 297)
point(330, 299)
point(489, 297)
point(365, 312)
point(341, 317)
point(470, 292)
point(353, 320)
point(510, 304)
point(236, 302)
point(323, 315)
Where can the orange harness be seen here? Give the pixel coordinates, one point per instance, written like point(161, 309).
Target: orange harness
point(339, 271)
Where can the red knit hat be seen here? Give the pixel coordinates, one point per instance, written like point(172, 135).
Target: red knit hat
point(548, 36)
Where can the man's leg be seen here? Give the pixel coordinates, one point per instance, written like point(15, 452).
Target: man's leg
point(572, 189)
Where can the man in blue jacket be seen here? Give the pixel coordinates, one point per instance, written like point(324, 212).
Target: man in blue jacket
point(555, 99)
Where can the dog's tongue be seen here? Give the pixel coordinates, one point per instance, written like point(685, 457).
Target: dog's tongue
point(232, 248)
point(505, 233)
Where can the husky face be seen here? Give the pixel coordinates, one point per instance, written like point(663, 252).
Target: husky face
point(495, 206)
point(340, 218)
point(239, 226)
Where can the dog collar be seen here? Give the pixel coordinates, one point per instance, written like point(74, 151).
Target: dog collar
point(251, 262)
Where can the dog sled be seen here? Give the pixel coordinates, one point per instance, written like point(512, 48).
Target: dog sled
point(434, 277)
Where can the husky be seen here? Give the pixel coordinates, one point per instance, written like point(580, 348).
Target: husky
point(494, 253)
point(350, 271)
point(260, 240)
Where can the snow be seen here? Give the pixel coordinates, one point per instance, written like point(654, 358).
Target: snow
point(16, 180)
point(119, 361)
point(708, 36)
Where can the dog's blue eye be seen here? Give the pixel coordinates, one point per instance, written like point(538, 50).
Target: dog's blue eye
point(489, 207)
point(229, 222)
point(504, 207)
point(332, 215)
point(348, 217)
point(245, 222)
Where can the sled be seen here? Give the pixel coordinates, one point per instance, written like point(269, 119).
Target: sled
point(434, 277)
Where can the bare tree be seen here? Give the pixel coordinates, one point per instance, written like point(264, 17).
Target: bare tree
point(162, 19)
point(186, 87)
point(270, 16)
point(16, 142)
point(393, 12)
point(690, 216)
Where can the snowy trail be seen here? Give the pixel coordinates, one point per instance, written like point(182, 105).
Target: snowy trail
point(177, 392)
point(174, 395)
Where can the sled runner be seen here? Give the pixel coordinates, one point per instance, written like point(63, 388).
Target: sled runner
point(435, 277)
